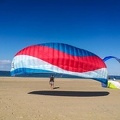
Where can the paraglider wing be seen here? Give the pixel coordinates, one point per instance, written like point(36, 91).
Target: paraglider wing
point(109, 57)
point(113, 84)
point(59, 58)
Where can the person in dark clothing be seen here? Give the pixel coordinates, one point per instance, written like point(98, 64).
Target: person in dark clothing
point(51, 82)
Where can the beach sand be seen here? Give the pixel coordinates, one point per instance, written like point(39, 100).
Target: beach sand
point(72, 99)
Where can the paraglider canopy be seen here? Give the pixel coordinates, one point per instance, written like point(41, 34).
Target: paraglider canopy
point(59, 58)
point(111, 66)
point(109, 57)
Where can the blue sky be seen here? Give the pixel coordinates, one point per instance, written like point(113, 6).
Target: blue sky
point(92, 25)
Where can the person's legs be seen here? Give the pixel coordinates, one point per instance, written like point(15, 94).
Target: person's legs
point(52, 85)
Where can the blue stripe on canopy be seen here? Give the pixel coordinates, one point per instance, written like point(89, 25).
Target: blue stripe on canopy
point(68, 49)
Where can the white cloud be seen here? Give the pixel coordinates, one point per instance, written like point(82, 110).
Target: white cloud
point(5, 65)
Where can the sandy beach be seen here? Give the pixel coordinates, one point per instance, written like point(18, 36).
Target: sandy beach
point(72, 99)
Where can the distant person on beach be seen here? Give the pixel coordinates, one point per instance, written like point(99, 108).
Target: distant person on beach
point(51, 82)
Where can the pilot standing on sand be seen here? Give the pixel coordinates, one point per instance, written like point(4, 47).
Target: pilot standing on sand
point(51, 82)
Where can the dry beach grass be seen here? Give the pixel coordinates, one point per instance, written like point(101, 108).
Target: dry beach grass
point(72, 99)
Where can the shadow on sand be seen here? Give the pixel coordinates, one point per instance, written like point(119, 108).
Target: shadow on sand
point(56, 87)
point(71, 93)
